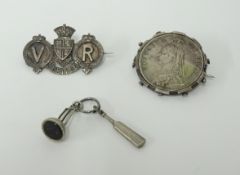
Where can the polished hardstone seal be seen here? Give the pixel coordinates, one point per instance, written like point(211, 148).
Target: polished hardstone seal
point(171, 63)
point(53, 129)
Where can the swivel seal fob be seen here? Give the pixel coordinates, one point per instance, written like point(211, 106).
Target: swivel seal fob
point(54, 128)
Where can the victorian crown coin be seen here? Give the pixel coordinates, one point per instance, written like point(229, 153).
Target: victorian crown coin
point(171, 63)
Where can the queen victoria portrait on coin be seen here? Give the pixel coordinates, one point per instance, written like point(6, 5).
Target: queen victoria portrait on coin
point(171, 63)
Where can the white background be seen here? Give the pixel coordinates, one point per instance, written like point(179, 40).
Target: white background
point(193, 135)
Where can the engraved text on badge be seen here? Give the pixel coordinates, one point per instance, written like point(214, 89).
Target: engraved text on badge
point(64, 56)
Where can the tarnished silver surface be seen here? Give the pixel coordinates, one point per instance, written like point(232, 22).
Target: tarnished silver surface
point(64, 56)
point(38, 53)
point(88, 53)
point(54, 128)
point(171, 63)
point(133, 137)
point(62, 61)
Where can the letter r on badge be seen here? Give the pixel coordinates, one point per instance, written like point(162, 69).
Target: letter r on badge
point(87, 51)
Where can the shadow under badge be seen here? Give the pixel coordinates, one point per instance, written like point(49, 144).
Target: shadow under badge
point(64, 56)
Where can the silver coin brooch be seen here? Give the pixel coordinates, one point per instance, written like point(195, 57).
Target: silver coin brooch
point(64, 56)
point(171, 63)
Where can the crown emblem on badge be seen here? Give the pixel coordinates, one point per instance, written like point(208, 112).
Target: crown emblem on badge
point(64, 56)
point(88, 37)
point(64, 31)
